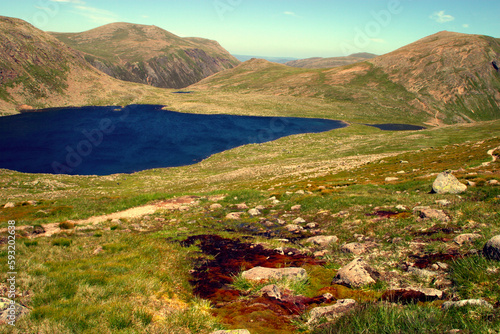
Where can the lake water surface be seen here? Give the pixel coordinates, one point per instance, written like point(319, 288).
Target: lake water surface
point(108, 140)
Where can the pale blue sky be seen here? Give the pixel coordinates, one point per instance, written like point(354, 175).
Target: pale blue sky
point(284, 28)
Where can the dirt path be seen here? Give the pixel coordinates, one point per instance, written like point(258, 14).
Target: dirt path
point(137, 212)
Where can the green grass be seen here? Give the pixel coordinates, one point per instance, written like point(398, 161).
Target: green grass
point(387, 319)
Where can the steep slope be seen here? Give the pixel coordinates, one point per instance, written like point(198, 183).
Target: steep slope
point(444, 78)
point(450, 72)
point(318, 62)
point(39, 71)
point(149, 55)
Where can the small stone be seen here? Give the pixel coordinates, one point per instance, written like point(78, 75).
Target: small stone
point(492, 248)
point(321, 253)
point(447, 183)
point(401, 172)
point(428, 213)
point(260, 207)
point(331, 312)
point(241, 206)
point(300, 192)
point(272, 291)
point(293, 228)
point(401, 208)
point(281, 222)
point(467, 302)
point(253, 212)
point(322, 240)
point(262, 273)
point(215, 206)
point(9, 205)
point(424, 273)
point(467, 238)
point(296, 207)
point(116, 221)
point(299, 220)
point(493, 182)
point(98, 250)
point(397, 240)
point(356, 274)
point(443, 202)
point(391, 179)
point(311, 225)
point(234, 215)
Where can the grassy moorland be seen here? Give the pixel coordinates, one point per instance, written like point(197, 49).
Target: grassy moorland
point(133, 275)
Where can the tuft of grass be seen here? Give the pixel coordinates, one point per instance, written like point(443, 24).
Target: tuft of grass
point(63, 242)
point(388, 319)
point(476, 277)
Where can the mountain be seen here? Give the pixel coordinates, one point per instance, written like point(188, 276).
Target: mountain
point(318, 62)
point(38, 71)
point(280, 60)
point(149, 55)
point(441, 79)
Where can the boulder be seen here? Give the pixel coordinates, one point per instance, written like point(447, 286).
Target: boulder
point(265, 274)
point(467, 238)
point(322, 240)
point(492, 248)
point(356, 274)
point(331, 312)
point(447, 183)
point(467, 302)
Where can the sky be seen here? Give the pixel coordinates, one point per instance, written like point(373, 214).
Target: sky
point(274, 28)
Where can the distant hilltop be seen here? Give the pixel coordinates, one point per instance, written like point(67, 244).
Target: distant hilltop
point(318, 62)
point(149, 54)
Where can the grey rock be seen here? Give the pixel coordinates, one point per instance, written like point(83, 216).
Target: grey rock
point(9, 205)
point(331, 312)
point(492, 248)
point(262, 273)
point(322, 240)
point(493, 182)
point(467, 238)
point(312, 225)
point(356, 274)
point(447, 183)
point(296, 207)
point(10, 311)
point(467, 302)
point(241, 206)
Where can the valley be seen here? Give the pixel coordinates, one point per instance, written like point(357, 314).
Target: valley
point(169, 250)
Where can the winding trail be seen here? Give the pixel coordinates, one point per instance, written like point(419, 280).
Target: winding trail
point(137, 212)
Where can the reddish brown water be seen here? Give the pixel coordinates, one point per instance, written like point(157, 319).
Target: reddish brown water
point(262, 314)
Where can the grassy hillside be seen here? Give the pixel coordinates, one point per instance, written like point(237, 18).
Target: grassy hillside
point(149, 55)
